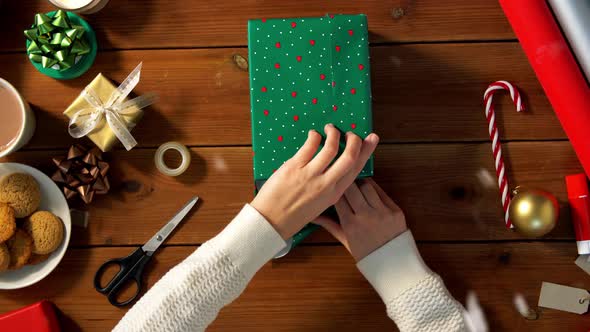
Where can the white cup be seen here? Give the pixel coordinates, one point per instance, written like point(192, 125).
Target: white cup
point(27, 126)
point(80, 6)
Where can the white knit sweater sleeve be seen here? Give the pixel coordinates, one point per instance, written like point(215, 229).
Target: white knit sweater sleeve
point(189, 296)
point(415, 297)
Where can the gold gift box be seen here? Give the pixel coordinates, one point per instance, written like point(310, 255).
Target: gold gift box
point(102, 135)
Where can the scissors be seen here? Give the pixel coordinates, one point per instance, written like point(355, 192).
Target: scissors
point(131, 267)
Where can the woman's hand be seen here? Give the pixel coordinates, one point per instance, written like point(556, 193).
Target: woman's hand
point(305, 186)
point(368, 219)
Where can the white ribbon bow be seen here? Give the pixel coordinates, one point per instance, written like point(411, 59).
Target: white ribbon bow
point(87, 119)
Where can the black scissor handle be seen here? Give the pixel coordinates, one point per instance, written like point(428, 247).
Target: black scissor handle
point(130, 270)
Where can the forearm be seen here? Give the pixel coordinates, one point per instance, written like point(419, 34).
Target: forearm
point(189, 297)
point(416, 297)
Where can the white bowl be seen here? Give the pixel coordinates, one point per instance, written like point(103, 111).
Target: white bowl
point(52, 200)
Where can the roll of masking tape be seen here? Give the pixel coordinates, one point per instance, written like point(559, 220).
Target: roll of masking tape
point(184, 153)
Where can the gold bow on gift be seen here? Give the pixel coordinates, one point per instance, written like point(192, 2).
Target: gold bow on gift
point(86, 120)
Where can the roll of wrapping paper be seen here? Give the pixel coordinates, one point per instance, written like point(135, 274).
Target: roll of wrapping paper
point(573, 17)
point(556, 68)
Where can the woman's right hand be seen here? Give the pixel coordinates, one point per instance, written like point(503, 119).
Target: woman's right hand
point(368, 219)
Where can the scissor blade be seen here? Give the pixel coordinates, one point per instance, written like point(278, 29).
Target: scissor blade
point(159, 238)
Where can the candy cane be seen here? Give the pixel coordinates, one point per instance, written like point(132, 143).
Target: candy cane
point(494, 136)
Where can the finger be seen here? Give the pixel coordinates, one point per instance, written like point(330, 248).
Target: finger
point(367, 149)
point(344, 210)
point(384, 197)
point(371, 194)
point(347, 159)
point(333, 228)
point(308, 149)
point(355, 198)
point(328, 152)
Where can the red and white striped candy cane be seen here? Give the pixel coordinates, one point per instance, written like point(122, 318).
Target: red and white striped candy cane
point(494, 136)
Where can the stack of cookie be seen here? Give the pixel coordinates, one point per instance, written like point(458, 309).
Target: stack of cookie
point(27, 236)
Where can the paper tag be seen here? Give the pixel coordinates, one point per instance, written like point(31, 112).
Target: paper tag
point(564, 298)
point(584, 263)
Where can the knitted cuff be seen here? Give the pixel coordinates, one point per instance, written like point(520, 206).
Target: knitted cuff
point(249, 240)
point(394, 267)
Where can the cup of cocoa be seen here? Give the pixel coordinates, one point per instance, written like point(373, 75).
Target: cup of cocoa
point(17, 122)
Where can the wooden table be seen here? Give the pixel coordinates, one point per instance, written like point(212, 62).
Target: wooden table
point(431, 61)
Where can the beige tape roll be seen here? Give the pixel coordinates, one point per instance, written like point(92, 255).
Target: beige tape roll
point(161, 165)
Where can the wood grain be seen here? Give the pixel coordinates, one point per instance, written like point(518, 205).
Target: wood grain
point(320, 289)
point(421, 93)
point(448, 191)
point(194, 23)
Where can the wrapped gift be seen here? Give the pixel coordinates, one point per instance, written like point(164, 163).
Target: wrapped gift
point(104, 114)
point(38, 317)
point(305, 73)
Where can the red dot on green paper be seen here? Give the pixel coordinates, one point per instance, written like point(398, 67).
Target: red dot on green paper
point(331, 15)
point(361, 66)
point(280, 138)
point(294, 94)
point(295, 118)
point(265, 112)
point(298, 58)
point(335, 108)
point(277, 65)
point(278, 45)
point(263, 20)
point(353, 125)
point(322, 77)
point(312, 42)
point(314, 101)
point(293, 24)
point(263, 89)
point(353, 91)
point(350, 32)
point(337, 48)
point(333, 84)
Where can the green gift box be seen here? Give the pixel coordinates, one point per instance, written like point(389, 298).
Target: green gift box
point(305, 73)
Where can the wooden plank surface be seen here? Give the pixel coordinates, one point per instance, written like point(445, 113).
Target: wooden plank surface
point(430, 63)
point(320, 289)
point(447, 190)
point(421, 93)
point(194, 23)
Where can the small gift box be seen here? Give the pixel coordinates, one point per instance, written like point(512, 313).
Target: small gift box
point(103, 113)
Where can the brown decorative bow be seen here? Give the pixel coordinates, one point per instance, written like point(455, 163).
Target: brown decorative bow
point(82, 172)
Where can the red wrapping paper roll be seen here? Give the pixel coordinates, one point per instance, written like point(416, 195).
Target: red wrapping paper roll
point(556, 68)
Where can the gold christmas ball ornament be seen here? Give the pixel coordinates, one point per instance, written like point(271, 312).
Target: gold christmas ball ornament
point(533, 212)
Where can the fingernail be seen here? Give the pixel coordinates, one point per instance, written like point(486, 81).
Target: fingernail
point(373, 138)
point(330, 125)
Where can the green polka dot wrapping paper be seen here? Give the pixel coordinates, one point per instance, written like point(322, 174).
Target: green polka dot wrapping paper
point(305, 73)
